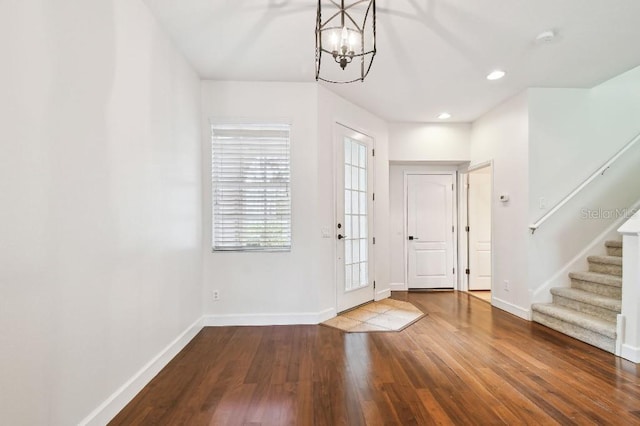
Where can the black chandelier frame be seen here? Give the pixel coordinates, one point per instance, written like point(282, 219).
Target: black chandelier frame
point(343, 57)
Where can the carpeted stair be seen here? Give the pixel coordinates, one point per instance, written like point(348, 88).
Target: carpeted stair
point(588, 309)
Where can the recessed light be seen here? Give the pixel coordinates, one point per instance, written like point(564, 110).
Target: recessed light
point(546, 36)
point(496, 75)
point(444, 116)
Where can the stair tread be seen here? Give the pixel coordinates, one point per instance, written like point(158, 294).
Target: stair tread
point(607, 260)
point(596, 277)
point(613, 244)
point(611, 303)
point(586, 321)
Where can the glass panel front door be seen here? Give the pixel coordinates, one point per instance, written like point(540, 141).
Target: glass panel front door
point(354, 220)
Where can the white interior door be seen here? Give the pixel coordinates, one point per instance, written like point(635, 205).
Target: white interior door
point(479, 213)
point(354, 222)
point(430, 256)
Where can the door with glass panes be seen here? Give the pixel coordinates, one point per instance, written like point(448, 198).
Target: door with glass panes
point(354, 222)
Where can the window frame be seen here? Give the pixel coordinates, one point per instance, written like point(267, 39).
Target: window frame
point(266, 167)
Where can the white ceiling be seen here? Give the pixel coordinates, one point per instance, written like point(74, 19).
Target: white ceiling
point(433, 55)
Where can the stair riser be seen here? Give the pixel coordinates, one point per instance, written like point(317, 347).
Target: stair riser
point(601, 289)
point(605, 268)
point(614, 251)
point(596, 311)
point(587, 336)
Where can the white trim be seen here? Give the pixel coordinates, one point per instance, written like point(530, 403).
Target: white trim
point(511, 308)
point(383, 294)
point(463, 222)
point(268, 319)
point(478, 166)
point(630, 353)
point(470, 169)
point(398, 287)
point(106, 411)
point(632, 225)
point(217, 120)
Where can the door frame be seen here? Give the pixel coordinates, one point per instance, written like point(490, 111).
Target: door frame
point(405, 215)
point(338, 128)
point(464, 221)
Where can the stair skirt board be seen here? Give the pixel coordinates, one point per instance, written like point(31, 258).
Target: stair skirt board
point(588, 310)
point(595, 339)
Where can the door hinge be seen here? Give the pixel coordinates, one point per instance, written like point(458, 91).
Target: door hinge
point(467, 271)
point(466, 228)
point(454, 271)
point(452, 187)
point(453, 229)
point(373, 152)
point(374, 240)
point(374, 284)
point(374, 196)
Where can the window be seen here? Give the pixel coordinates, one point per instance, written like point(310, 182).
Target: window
point(251, 187)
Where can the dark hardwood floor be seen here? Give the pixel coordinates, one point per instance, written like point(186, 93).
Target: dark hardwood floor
point(464, 363)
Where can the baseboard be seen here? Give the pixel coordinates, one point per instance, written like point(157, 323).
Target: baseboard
point(398, 287)
point(630, 353)
point(121, 397)
point(511, 308)
point(268, 319)
point(383, 294)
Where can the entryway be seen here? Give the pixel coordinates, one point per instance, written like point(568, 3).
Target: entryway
point(479, 260)
point(354, 218)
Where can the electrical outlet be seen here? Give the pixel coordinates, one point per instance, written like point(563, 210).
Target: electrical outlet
point(506, 285)
point(216, 294)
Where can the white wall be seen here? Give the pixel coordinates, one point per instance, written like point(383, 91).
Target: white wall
point(562, 152)
point(100, 180)
point(502, 136)
point(275, 285)
point(297, 286)
point(429, 141)
point(572, 133)
point(334, 109)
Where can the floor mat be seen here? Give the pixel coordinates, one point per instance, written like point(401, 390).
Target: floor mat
point(383, 315)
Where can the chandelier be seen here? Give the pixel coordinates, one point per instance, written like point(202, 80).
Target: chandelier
point(345, 40)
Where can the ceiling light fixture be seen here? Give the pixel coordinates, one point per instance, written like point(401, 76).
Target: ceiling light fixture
point(444, 116)
point(496, 75)
point(546, 36)
point(348, 36)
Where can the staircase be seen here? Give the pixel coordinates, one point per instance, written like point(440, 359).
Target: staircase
point(588, 309)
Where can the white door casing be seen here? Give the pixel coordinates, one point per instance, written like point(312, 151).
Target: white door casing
point(354, 218)
point(430, 231)
point(479, 218)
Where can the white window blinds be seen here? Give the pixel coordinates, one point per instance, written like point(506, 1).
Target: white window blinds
point(251, 187)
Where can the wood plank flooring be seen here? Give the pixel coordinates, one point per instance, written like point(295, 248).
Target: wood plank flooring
point(465, 363)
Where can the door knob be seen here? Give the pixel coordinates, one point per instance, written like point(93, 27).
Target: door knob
point(411, 237)
point(340, 236)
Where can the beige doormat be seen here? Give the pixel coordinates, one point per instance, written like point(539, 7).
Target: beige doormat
point(384, 315)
